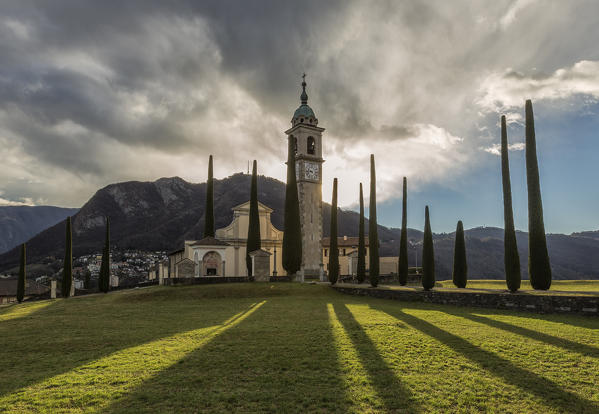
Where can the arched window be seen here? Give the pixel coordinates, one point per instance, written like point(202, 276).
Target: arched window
point(294, 141)
point(311, 145)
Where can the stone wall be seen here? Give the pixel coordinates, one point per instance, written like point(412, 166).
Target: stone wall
point(205, 280)
point(280, 279)
point(585, 305)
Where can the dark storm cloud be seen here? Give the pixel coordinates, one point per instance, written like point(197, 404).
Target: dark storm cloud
point(105, 91)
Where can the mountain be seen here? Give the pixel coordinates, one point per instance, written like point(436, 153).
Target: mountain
point(19, 223)
point(160, 215)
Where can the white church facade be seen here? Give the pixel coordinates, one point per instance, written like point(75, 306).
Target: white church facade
point(225, 254)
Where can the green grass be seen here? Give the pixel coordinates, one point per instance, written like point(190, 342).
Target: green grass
point(556, 285)
point(289, 348)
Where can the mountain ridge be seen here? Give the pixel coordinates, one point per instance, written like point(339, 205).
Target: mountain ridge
point(160, 215)
point(19, 223)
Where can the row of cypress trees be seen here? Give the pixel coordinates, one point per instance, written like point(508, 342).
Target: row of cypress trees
point(372, 235)
point(67, 271)
point(539, 267)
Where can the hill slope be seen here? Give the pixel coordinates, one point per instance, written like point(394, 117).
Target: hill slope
point(160, 215)
point(19, 223)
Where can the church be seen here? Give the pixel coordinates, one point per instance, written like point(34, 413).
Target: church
point(224, 255)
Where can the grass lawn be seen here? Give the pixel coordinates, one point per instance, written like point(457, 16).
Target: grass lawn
point(289, 348)
point(556, 285)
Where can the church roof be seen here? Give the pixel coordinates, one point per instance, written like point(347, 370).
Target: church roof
point(305, 111)
point(246, 206)
point(210, 241)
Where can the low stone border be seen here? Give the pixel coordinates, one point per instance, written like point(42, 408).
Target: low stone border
point(205, 280)
point(563, 303)
point(280, 279)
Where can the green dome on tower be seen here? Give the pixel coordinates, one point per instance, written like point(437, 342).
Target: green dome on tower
point(304, 114)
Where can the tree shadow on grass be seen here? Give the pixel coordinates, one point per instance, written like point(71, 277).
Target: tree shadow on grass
point(528, 381)
point(394, 394)
point(278, 359)
point(581, 321)
point(566, 344)
point(70, 333)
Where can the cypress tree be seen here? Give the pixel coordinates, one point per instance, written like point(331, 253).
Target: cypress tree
point(402, 270)
point(361, 271)
point(511, 256)
point(253, 241)
point(22, 275)
point(67, 272)
point(539, 269)
point(104, 280)
point(428, 254)
point(373, 234)
point(460, 266)
point(209, 213)
point(334, 248)
point(292, 237)
point(87, 279)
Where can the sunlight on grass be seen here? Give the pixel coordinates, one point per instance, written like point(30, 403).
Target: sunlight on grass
point(539, 372)
point(95, 385)
point(359, 389)
point(21, 310)
point(590, 286)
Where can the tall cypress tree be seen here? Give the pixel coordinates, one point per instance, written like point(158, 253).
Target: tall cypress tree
point(104, 280)
point(209, 213)
point(428, 254)
point(253, 241)
point(361, 271)
point(402, 270)
point(22, 275)
point(460, 266)
point(373, 233)
point(292, 236)
point(539, 269)
point(87, 280)
point(334, 248)
point(511, 256)
point(67, 272)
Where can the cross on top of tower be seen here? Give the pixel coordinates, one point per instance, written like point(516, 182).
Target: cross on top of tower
point(304, 96)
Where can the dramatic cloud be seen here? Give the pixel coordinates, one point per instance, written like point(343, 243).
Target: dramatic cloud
point(510, 89)
point(495, 149)
point(92, 93)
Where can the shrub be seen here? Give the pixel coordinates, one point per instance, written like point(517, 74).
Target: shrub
point(253, 240)
point(209, 213)
point(292, 236)
point(511, 256)
point(373, 234)
point(539, 269)
point(460, 267)
point(361, 271)
point(428, 254)
point(402, 270)
point(22, 275)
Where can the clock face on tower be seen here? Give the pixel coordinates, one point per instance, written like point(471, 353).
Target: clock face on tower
point(311, 171)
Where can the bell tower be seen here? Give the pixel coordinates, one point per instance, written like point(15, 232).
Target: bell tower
point(306, 137)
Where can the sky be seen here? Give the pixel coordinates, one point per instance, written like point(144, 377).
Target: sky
point(93, 93)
